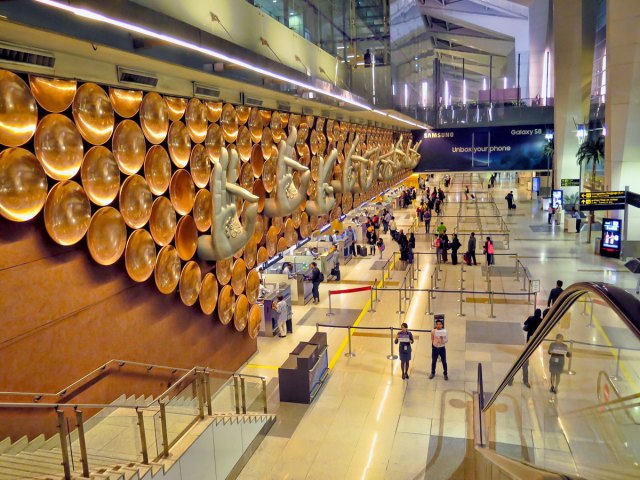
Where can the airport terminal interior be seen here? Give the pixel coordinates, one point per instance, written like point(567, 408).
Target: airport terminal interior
point(319, 239)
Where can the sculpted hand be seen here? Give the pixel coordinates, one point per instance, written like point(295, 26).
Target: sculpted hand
point(368, 170)
point(348, 181)
point(415, 155)
point(390, 160)
point(324, 200)
point(287, 197)
point(228, 235)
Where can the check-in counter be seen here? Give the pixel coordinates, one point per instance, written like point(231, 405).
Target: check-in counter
point(269, 324)
point(303, 373)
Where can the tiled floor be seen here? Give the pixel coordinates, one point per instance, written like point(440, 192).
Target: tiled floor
point(369, 423)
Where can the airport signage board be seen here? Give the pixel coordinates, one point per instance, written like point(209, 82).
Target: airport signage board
point(590, 201)
point(570, 182)
point(483, 149)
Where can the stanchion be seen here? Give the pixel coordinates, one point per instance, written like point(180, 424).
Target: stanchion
point(535, 299)
point(616, 377)
point(491, 315)
point(569, 371)
point(524, 279)
point(529, 293)
point(461, 277)
point(349, 353)
point(429, 311)
point(391, 356)
point(591, 316)
point(460, 314)
point(371, 300)
point(330, 312)
point(517, 272)
point(400, 311)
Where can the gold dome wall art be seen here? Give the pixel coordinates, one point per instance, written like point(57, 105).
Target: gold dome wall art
point(131, 173)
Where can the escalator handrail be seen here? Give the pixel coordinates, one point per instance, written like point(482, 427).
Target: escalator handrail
point(625, 305)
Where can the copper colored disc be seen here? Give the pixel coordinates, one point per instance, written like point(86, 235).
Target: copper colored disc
point(303, 134)
point(162, 222)
point(100, 175)
point(157, 169)
point(93, 113)
point(276, 127)
point(229, 123)
point(255, 125)
point(200, 166)
point(186, 237)
point(246, 178)
point(196, 119)
point(258, 233)
point(313, 222)
point(154, 117)
point(241, 314)
point(278, 223)
point(223, 270)
point(182, 191)
point(243, 112)
point(294, 121)
point(140, 255)
point(295, 218)
point(290, 234)
point(269, 174)
point(202, 210)
point(18, 110)
point(305, 228)
point(243, 143)
point(214, 110)
point(315, 166)
point(314, 142)
point(272, 241)
point(135, 201)
point(311, 189)
point(282, 245)
point(167, 270)
point(179, 144)
point(129, 147)
point(238, 276)
point(53, 94)
point(67, 213)
point(253, 286)
point(255, 318)
point(176, 107)
point(190, 281)
point(305, 155)
point(107, 236)
point(214, 142)
point(262, 256)
point(266, 143)
point(266, 116)
point(320, 121)
point(23, 185)
point(57, 144)
point(225, 305)
point(208, 294)
point(257, 160)
point(126, 103)
point(250, 252)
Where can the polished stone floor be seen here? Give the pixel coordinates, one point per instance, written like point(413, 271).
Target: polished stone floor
point(369, 423)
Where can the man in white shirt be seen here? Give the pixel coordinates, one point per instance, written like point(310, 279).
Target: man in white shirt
point(438, 340)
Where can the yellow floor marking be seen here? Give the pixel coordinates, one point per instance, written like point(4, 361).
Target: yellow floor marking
point(501, 301)
point(343, 345)
point(270, 367)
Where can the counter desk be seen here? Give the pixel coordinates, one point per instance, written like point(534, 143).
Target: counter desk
point(269, 324)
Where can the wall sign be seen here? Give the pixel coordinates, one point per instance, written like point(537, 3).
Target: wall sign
point(570, 182)
point(487, 149)
point(602, 200)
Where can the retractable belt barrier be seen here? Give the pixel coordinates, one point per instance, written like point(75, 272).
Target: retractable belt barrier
point(346, 290)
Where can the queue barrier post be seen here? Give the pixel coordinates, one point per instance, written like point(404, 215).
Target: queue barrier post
point(529, 294)
point(591, 317)
point(350, 353)
point(461, 277)
point(391, 356)
point(617, 374)
point(524, 279)
point(460, 314)
point(429, 311)
point(491, 315)
point(371, 300)
point(330, 312)
point(400, 311)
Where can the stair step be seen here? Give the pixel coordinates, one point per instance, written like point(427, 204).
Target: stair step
point(4, 444)
point(17, 446)
point(10, 474)
point(35, 444)
point(29, 465)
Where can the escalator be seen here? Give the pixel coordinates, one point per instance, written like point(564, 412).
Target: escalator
point(579, 415)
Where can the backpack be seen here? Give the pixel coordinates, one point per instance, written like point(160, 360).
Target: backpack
point(321, 277)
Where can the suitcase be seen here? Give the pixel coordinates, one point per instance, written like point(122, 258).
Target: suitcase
point(467, 258)
point(513, 207)
point(362, 251)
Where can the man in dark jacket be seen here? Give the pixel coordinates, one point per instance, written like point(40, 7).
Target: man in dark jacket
point(455, 245)
point(509, 199)
point(471, 248)
point(315, 282)
point(555, 293)
point(531, 324)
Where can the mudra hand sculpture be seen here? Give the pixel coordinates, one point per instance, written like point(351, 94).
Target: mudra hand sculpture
point(368, 169)
point(228, 235)
point(391, 160)
point(347, 183)
point(324, 200)
point(287, 197)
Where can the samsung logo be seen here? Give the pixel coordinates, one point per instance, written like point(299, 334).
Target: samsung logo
point(438, 134)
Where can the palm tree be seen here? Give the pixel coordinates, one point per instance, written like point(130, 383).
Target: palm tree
point(547, 152)
point(591, 151)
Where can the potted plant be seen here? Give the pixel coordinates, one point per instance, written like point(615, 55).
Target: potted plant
point(591, 150)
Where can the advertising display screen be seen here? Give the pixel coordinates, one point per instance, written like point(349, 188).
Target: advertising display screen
point(557, 199)
point(535, 184)
point(487, 149)
point(611, 238)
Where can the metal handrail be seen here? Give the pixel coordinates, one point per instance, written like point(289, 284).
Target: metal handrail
point(625, 305)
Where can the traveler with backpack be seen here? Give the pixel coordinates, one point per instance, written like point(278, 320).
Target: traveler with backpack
point(316, 278)
point(455, 245)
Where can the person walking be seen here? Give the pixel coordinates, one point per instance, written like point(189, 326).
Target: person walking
point(440, 229)
point(412, 240)
point(576, 215)
point(509, 199)
point(405, 339)
point(393, 227)
point(530, 326)
point(438, 350)
point(316, 279)
point(444, 245)
point(550, 213)
point(372, 243)
point(282, 310)
point(427, 220)
point(558, 350)
point(488, 250)
point(351, 233)
point(471, 248)
point(554, 293)
point(455, 245)
point(381, 246)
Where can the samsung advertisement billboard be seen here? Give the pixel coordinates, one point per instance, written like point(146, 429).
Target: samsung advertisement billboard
point(487, 149)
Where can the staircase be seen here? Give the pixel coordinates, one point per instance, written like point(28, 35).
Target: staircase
point(109, 450)
point(188, 431)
